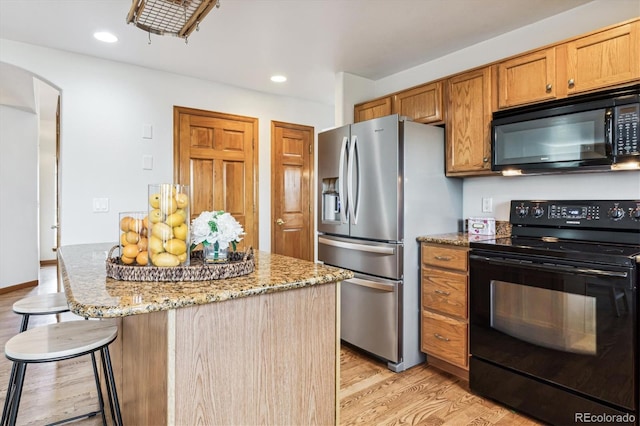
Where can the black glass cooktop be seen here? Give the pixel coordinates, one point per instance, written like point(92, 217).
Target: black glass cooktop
point(603, 253)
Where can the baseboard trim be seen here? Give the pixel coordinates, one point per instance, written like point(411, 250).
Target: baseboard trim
point(11, 288)
point(48, 262)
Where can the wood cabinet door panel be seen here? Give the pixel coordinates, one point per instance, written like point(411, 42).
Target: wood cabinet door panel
point(445, 257)
point(445, 338)
point(528, 78)
point(372, 109)
point(604, 59)
point(422, 104)
point(469, 121)
point(445, 292)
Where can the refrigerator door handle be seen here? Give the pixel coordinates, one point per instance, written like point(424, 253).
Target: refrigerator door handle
point(343, 200)
point(353, 157)
point(359, 247)
point(371, 284)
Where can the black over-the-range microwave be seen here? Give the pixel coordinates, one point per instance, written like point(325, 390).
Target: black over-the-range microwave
point(582, 133)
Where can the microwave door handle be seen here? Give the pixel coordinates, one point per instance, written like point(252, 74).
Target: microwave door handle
point(608, 132)
point(343, 198)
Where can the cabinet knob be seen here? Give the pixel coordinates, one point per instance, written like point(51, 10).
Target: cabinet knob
point(485, 159)
point(548, 87)
point(279, 222)
point(571, 82)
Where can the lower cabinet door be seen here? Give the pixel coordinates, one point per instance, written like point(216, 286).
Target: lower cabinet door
point(445, 338)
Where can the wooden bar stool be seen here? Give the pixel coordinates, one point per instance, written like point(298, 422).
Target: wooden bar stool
point(41, 304)
point(56, 342)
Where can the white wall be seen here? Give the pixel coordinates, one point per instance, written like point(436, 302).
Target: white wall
point(589, 17)
point(104, 107)
point(18, 196)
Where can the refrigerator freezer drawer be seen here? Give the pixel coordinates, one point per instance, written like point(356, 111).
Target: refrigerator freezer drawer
point(369, 315)
point(373, 258)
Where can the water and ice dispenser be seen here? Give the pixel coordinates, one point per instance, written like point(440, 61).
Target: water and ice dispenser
point(330, 200)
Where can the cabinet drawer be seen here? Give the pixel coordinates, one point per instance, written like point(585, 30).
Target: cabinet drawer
point(445, 257)
point(444, 338)
point(445, 291)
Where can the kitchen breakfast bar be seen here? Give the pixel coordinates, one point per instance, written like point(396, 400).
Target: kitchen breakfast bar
point(261, 348)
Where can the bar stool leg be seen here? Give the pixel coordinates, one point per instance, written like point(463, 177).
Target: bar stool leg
point(10, 393)
point(112, 392)
point(25, 322)
point(98, 387)
point(15, 403)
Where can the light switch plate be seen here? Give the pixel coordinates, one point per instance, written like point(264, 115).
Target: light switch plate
point(147, 131)
point(100, 205)
point(487, 205)
point(147, 162)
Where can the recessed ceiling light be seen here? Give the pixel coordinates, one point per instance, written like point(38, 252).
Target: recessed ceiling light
point(278, 78)
point(105, 36)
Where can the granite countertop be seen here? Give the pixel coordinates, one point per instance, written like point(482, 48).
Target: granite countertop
point(90, 293)
point(503, 229)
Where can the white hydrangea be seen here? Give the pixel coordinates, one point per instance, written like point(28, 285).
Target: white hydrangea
point(216, 227)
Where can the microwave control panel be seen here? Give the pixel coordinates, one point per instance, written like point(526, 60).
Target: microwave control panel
point(627, 120)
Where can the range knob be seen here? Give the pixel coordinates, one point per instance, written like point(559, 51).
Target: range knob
point(521, 211)
point(538, 211)
point(635, 214)
point(616, 213)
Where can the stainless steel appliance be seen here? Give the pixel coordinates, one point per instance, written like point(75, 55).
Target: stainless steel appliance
point(554, 312)
point(589, 132)
point(381, 184)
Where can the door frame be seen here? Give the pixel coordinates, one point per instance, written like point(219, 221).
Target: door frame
point(312, 194)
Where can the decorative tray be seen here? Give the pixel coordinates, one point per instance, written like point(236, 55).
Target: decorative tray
point(239, 263)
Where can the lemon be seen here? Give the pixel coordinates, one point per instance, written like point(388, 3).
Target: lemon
point(154, 200)
point(182, 257)
point(175, 219)
point(162, 231)
point(168, 205)
point(181, 231)
point(143, 244)
point(132, 237)
point(165, 259)
point(127, 260)
point(175, 246)
point(155, 245)
point(156, 216)
point(123, 239)
point(130, 250)
point(124, 223)
point(135, 225)
point(182, 199)
point(142, 258)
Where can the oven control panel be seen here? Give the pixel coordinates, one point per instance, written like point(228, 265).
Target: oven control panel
point(600, 214)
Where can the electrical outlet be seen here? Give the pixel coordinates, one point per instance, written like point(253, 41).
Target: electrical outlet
point(487, 205)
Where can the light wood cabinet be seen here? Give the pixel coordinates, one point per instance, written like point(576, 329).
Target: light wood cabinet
point(372, 109)
point(422, 104)
point(527, 78)
point(444, 302)
point(602, 59)
point(468, 123)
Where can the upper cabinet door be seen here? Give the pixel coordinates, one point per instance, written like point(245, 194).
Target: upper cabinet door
point(527, 78)
point(468, 125)
point(372, 109)
point(606, 58)
point(422, 104)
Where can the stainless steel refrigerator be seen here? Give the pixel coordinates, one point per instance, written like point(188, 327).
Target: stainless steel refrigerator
point(381, 184)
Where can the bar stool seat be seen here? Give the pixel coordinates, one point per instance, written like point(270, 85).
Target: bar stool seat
point(41, 304)
point(56, 342)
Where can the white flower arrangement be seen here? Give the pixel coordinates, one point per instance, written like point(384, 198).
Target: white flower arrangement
point(216, 228)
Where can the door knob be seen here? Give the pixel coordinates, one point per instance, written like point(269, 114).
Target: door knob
point(279, 221)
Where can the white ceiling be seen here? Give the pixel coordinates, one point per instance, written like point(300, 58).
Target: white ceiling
point(244, 42)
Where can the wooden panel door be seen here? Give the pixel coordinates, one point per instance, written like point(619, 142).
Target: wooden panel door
point(422, 104)
point(468, 144)
point(527, 78)
point(606, 58)
point(372, 109)
point(291, 187)
point(215, 154)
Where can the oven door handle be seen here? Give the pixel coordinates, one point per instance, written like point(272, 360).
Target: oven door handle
point(551, 267)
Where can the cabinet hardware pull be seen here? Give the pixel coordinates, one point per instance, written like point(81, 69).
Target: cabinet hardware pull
point(571, 82)
point(445, 258)
point(440, 337)
point(485, 159)
point(549, 86)
point(446, 293)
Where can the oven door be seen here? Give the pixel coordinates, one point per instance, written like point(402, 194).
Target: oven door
point(569, 325)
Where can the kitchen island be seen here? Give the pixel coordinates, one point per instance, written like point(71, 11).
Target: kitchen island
point(262, 348)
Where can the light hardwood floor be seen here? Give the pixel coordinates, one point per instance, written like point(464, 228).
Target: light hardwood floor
point(370, 393)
